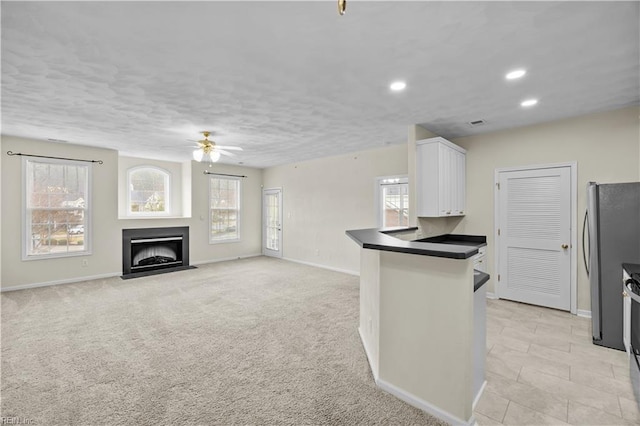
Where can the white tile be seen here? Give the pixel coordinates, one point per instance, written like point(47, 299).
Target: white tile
point(572, 391)
point(528, 359)
point(580, 414)
point(573, 359)
point(619, 387)
point(600, 353)
point(552, 342)
point(620, 372)
point(569, 337)
point(492, 405)
point(521, 416)
point(502, 367)
point(483, 420)
point(508, 342)
point(528, 396)
point(630, 409)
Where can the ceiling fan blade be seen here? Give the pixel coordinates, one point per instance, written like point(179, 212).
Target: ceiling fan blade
point(176, 147)
point(229, 148)
point(223, 152)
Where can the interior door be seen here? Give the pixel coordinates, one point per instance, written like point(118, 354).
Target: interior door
point(272, 222)
point(534, 236)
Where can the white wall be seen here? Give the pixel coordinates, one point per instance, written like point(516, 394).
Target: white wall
point(604, 145)
point(250, 243)
point(106, 257)
point(2, 153)
point(106, 242)
point(325, 197)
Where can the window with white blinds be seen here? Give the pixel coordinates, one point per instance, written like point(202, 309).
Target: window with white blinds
point(56, 207)
point(224, 209)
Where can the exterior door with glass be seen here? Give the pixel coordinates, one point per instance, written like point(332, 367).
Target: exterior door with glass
point(272, 222)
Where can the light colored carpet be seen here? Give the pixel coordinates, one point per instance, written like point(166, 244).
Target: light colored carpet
point(256, 341)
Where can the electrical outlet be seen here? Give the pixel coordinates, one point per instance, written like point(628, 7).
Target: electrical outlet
point(85, 263)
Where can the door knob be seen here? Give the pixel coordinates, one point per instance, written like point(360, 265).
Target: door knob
point(565, 246)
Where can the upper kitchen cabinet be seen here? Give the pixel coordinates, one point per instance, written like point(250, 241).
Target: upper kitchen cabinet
point(440, 178)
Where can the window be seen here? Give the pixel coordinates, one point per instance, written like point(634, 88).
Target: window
point(393, 196)
point(224, 209)
point(56, 208)
point(148, 191)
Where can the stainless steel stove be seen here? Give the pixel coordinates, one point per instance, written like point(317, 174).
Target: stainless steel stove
point(631, 278)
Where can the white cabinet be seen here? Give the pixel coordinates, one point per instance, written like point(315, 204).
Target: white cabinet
point(440, 178)
point(479, 260)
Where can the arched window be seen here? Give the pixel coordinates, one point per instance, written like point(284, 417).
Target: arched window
point(148, 191)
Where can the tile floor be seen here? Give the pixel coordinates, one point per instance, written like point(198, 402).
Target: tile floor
point(542, 369)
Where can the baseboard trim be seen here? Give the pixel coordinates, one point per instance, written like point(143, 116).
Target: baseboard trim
point(59, 282)
point(103, 276)
point(583, 313)
point(317, 265)
point(374, 369)
point(479, 394)
point(423, 405)
point(225, 259)
point(491, 295)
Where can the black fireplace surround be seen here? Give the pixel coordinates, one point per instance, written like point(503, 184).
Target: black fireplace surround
point(148, 251)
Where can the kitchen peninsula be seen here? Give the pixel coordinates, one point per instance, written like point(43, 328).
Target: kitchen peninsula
point(423, 318)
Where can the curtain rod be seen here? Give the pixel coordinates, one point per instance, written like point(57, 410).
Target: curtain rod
point(223, 174)
point(395, 183)
point(56, 158)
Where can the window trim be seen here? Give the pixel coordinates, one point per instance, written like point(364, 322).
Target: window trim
point(167, 196)
point(239, 215)
point(379, 213)
point(26, 218)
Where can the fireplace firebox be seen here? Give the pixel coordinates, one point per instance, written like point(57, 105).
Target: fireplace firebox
point(148, 251)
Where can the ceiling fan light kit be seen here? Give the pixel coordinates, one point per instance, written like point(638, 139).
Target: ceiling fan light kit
point(209, 152)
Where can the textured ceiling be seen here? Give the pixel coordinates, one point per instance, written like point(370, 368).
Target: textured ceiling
point(290, 81)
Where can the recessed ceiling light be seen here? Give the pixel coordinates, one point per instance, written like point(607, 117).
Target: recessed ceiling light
point(529, 102)
point(397, 86)
point(515, 74)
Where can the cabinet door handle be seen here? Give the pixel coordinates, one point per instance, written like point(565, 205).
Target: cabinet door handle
point(461, 212)
point(448, 212)
point(565, 246)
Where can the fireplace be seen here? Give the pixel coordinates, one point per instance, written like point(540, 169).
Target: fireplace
point(147, 251)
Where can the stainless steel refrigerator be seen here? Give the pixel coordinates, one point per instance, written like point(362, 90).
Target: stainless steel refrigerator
point(612, 228)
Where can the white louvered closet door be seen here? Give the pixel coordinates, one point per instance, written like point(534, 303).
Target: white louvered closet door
point(535, 237)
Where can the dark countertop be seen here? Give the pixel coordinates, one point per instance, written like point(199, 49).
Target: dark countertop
point(479, 279)
point(380, 239)
point(463, 240)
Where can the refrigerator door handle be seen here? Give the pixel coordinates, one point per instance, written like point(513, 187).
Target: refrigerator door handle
point(593, 220)
point(585, 230)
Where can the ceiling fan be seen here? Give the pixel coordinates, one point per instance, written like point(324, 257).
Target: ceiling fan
point(209, 152)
